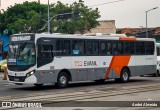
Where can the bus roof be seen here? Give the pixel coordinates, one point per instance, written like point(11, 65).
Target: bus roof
point(87, 36)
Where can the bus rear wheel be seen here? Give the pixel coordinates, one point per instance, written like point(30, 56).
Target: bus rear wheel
point(125, 75)
point(62, 80)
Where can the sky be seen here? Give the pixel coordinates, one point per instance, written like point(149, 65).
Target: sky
point(126, 13)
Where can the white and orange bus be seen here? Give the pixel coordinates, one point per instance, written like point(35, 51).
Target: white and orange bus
point(59, 59)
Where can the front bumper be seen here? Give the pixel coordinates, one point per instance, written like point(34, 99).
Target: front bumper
point(22, 79)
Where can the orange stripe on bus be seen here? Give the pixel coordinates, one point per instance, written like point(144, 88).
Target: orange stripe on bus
point(127, 38)
point(109, 68)
point(117, 63)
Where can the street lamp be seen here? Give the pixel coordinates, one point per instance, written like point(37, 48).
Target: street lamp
point(146, 19)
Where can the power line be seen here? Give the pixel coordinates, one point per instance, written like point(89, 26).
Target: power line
point(107, 3)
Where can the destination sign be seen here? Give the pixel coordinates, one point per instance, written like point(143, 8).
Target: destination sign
point(21, 38)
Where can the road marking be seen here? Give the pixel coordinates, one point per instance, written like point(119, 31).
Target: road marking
point(8, 84)
point(5, 97)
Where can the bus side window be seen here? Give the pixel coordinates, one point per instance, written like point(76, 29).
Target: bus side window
point(66, 48)
point(81, 47)
point(120, 48)
point(129, 47)
point(75, 49)
point(89, 47)
point(46, 51)
point(140, 48)
point(149, 46)
point(59, 47)
point(109, 48)
point(126, 48)
point(103, 48)
point(115, 48)
point(95, 48)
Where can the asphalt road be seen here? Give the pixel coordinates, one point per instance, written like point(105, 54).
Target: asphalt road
point(9, 91)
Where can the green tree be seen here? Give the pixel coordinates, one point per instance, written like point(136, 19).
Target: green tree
point(26, 17)
point(30, 17)
point(86, 20)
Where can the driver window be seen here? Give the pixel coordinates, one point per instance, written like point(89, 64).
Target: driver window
point(32, 59)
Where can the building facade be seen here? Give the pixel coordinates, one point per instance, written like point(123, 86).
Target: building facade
point(106, 26)
point(141, 32)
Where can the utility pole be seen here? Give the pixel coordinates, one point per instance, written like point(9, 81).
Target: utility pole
point(48, 17)
point(147, 19)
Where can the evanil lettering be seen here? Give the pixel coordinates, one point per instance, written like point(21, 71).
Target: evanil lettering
point(21, 38)
point(90, 63)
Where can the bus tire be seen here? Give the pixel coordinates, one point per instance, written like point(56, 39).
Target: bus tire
point(156, 74)
point(125, 75)
point(62, 80)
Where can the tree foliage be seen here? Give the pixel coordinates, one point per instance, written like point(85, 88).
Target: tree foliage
point(30, 17)
point(26, 17)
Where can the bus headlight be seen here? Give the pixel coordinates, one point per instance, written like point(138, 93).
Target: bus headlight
point(30, 73)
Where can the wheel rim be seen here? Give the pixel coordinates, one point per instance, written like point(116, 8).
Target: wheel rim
point(125, 76)
point(63, 80)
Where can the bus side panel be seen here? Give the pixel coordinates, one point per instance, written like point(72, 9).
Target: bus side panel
point(91, 67)
point(145, 64)
point(133, 70)
point(116, 65)
point(101, 73)
point(64, 63)
point(115, 75)
point(151, 60)
point(141, 65)
point(97, 73)
point(45, 76)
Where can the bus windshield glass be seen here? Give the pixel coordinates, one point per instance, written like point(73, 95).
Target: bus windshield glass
point(22, 54)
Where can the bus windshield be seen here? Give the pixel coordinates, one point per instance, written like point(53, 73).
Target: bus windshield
point(22, 54)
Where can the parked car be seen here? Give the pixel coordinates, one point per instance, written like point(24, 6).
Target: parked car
point(3, 64)
point(158, 69)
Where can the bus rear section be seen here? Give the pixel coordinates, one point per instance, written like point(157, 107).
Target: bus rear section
point(60, 59)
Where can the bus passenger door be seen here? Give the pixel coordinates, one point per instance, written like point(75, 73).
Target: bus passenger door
point(45, 60)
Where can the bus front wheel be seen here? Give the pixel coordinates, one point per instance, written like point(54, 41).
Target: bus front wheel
point(62, 80)
point(124, 75)
point(156, 74)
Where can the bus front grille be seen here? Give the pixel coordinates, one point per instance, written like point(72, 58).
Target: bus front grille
point(16, 78)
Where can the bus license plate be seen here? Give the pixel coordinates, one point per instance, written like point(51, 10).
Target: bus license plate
point(16, 79)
